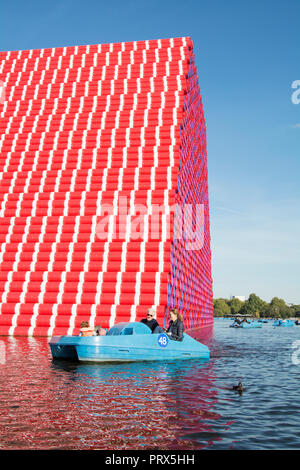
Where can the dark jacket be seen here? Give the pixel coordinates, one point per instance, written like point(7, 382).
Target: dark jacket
point(176, 329)
point(151, 323)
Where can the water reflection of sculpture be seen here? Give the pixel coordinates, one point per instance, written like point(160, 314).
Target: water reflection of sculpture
point(120, 406)
point(127, 404)
point(147, 405)
point(152, 405)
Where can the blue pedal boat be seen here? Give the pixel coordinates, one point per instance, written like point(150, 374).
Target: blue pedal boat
point(126, 342)
point(245, 321)
point(252, 324)
point(283, 323)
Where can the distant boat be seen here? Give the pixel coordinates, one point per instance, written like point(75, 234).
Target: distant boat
point(283, 323)
point(245, 321)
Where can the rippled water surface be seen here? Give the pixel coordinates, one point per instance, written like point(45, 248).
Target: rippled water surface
point(176, 405)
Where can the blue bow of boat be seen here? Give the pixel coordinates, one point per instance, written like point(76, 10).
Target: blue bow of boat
point(126, 342)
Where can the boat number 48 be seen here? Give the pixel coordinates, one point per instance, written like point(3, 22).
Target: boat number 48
point(162, 340)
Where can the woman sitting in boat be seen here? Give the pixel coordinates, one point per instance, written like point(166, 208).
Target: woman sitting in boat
point(151, 321)
point(176, 327)
point(85, 329)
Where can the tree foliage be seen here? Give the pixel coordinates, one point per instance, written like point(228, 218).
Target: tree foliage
point(221, 308)
point(255, 306)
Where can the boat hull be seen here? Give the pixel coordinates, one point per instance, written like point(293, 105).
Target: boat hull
point(152, 347)
point(63, 347)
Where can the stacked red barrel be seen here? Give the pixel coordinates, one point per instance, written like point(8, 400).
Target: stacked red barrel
point(98, 146)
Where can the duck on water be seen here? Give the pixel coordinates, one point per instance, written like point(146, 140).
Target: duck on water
point(239, 387)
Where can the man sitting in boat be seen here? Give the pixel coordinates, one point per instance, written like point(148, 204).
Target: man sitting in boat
point(151, 321)
point(85, 329)
point(176, 327)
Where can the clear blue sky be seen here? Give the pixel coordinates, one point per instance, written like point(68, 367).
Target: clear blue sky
point(247, 55)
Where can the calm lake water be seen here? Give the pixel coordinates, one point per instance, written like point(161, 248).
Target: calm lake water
point(176, 405)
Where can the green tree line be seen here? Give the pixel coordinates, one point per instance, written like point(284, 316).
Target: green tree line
point(255, 306)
